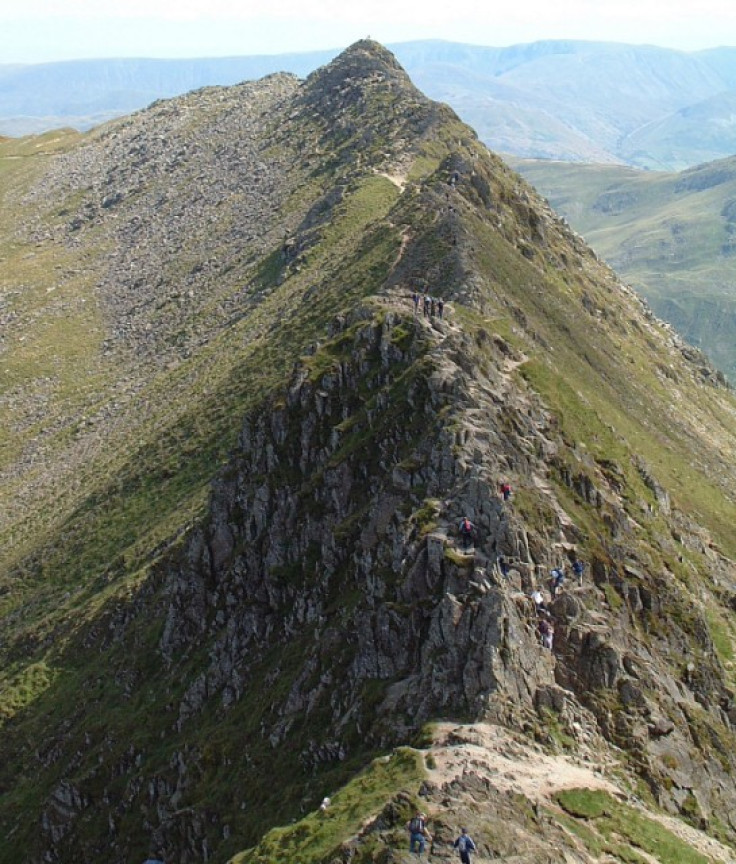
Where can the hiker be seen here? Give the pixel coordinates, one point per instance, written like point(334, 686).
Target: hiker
point(418, 834)
point(546, 631)
point(426, 305)
point(415, 301)
point(539, 604)
point(440, 307)
point(467, 530)
point(577, 568)
point(464, 845)
point(506, 490)
point(557, 575)
point(503, 565)
point(431, 307)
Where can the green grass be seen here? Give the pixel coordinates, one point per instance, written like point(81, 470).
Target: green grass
point(613, 820)
point(668, 234)
point(316, 837)
point(721, 633)
point(425, 517)
point(92, 551)
point(666, 447)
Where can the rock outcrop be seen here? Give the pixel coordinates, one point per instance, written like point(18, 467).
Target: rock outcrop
point(202, 682)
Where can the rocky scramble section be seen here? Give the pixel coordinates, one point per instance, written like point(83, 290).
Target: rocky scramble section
point(240, 651)
point(468, 759)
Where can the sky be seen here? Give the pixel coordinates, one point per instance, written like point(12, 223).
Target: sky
point(38, 31)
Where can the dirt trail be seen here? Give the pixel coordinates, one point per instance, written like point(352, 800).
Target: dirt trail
point(511, 763)
point(399, 180)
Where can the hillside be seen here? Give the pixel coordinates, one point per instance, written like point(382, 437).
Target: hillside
point(231, 579)
point(577, 101)
point(670, 235)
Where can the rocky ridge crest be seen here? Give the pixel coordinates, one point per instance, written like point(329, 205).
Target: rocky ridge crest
point(323, 608)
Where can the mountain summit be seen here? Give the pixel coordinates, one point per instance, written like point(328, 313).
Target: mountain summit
point(239, 458)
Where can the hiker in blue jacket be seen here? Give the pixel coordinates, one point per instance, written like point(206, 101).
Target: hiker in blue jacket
point(578, 568)
point(464, 845)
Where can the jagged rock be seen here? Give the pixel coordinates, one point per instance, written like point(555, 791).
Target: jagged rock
point(321, 608)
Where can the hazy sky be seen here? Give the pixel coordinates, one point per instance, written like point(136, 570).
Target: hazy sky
point(34, 31)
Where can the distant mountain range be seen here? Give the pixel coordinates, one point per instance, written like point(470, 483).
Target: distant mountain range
point(640, 105)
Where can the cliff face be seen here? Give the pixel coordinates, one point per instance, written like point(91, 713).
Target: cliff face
point(214, 667)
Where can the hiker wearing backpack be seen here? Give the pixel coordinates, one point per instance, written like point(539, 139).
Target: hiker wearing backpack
point(418, 834)
point(506, 491)
point(464, 845)
point(577, 568)
point(467, 530)
point(540, 607)
point(557, 581)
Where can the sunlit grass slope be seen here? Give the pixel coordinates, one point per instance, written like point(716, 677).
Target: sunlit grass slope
point(670, 235)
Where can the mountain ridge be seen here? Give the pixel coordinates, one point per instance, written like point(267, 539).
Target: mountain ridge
point(257, 585)
point(669, 234)
point(539, 100)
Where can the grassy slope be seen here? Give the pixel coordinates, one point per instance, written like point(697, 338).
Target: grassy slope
point(149, 492)
point(142, 494)
point(96, 549)
point(603, 368)
point(669, 235)
point(318, 836)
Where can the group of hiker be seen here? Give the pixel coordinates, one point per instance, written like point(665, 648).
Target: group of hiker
point(545, 626)
point(430, 305)
point(419, 836)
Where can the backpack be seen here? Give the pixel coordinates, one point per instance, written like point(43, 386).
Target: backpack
point(416, 826)
point(466, 526)
point(463, 845)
